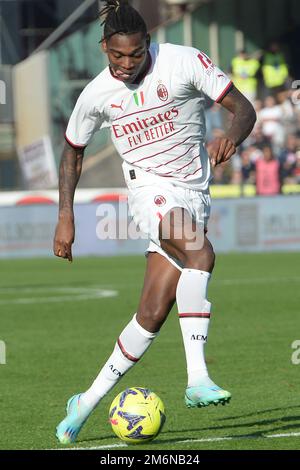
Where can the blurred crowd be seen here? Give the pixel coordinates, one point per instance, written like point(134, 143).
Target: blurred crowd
point(270, 157)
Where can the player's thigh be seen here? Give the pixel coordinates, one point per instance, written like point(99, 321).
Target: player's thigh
point(181, 236)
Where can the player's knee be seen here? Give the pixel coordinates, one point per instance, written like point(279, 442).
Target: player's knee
point(152, 316)
point(203, 260)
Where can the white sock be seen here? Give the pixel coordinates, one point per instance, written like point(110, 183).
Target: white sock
point(130, 347)
point(194, 315)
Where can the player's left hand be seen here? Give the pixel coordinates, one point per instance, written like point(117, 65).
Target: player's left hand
point(220, 150)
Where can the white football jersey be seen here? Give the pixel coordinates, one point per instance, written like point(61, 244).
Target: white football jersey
point(158, 125)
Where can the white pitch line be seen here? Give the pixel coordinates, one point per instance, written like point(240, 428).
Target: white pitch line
point(264, 436)
point(190, 441)
point(112, 446)
point(64, 290)
point(78, 295)
point(291, 434)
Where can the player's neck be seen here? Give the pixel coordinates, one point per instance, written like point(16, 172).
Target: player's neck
point(145, 70)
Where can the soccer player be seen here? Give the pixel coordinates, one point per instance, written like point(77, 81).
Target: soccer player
point(151, 96)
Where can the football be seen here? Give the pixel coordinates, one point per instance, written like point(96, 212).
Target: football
point(137, 415)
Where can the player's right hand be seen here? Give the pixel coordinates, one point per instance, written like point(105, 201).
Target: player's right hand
point(220, 150)
point(64, 238)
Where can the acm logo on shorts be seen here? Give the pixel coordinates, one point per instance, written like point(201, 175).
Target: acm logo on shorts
point(160, 201)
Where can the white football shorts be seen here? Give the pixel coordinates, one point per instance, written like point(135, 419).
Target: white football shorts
point(149, 204)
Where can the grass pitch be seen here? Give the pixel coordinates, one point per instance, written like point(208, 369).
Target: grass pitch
point(60, 321)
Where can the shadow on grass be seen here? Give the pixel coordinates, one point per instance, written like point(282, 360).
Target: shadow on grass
point(264, 422)
point(184, 434)
point(255, 413)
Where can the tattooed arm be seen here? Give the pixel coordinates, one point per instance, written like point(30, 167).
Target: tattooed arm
point(69, 174)
point(244, 117)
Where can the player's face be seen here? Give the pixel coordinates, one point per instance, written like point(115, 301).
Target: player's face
point(127, 55)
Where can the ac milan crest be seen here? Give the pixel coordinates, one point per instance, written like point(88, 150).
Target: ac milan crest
point(162, 92)
point(160, 201)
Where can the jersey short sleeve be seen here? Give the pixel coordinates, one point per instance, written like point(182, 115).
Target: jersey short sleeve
point(205, 76)
point(85, 120)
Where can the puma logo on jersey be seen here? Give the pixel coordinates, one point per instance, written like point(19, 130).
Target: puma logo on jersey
point(116, 106)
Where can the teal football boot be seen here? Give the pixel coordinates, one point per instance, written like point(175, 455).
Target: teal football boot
point(77, 414)
point(205, 394)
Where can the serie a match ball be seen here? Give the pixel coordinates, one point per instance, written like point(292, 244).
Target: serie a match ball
point(137, 415)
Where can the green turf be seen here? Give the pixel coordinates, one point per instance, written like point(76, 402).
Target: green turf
point(55, 349)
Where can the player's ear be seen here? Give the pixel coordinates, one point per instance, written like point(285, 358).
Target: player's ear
point(104, 45)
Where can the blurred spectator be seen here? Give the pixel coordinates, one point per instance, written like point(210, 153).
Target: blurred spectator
point(267, 173)
point(244, 71)
point(257, 138)
point(258, 105)
point(247, 167)
point(288, 160)
point(274, 69)
point(297, 168)
point(235, 164)
point(222, 174)
point(270, 156)
point(271, 119)
point(288, 114)
point(255, 151)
